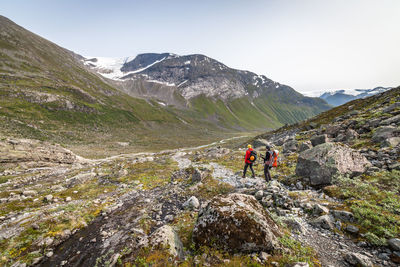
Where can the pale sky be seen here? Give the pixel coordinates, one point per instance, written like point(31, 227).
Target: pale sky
point(311, 45)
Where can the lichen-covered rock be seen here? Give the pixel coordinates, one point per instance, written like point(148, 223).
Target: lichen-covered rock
point(322, 162)
point(357, 259)
point(305, 146)
point(166, 238)
point(236, 223)
point(192, 203)
point(324, 221)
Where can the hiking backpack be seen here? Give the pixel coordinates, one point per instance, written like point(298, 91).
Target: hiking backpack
point(253, 156)
point(275, 154)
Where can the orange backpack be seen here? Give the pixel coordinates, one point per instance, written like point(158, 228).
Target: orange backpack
point(275, 154)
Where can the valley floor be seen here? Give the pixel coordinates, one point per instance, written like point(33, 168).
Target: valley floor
point(102, 212)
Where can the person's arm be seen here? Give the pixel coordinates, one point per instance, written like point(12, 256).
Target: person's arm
point(247, 155)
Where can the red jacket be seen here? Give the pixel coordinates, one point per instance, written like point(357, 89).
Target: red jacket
point(246, 158)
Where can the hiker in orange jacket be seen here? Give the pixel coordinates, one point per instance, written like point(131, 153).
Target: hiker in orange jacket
point(248, 162)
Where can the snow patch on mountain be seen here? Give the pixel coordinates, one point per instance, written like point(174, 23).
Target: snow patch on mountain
point(111, 67)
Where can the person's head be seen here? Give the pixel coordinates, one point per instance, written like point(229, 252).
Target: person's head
point(268, 147)
point(248, 146)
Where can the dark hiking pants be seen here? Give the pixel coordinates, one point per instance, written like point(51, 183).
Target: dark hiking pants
point(267, 173)
point(245, 169)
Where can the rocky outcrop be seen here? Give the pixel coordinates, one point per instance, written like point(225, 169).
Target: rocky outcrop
point(26, 150)
point(236, 223)
point(322, 162)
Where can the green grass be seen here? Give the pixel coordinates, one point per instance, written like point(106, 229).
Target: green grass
point(375, 202)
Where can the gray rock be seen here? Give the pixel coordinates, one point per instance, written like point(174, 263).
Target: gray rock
point(259, 194)
point(322, 162)
point(333, 130)
point(351, 135)
point(264, 256)
point(383, 133)
point(192, 203)
point(343, 215)
point(384, 256)
point(324, 221)
point(352, 229)
point(29, 193)
point(169, 218)
point(319, 139)
point(196, 176)
point(289, 146)
point(48, 198)
point(391, 107)
point(166, 238)
point(319, 209)
point(391, 142)
point(236, 223)
point(394, 119)
point(299, 185)
point(340, 137)
point(49, 254)
point(294, 224)
point(305, 146)
point(394, 244)
point(357, 259)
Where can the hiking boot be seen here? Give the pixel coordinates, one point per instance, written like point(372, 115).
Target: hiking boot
point(243, 176)
point(253, 176)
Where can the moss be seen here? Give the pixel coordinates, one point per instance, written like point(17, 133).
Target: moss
point(211, 187)
point(298, 252)
point(375, 202)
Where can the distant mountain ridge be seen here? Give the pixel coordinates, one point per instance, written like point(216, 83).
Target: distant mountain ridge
point(198, 82)
point(151, 100)
point(339, 97)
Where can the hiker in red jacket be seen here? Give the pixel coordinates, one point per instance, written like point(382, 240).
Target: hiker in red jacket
point(248, 162)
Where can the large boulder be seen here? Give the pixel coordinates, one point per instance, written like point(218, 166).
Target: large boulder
point(383, 133)
point(289, 146)
point(319, 139)
point(304, 146)
point(236, 223)
point(322, 162)
point(166, 238)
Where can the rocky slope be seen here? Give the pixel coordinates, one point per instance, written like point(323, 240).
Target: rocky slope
point(187, 207)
